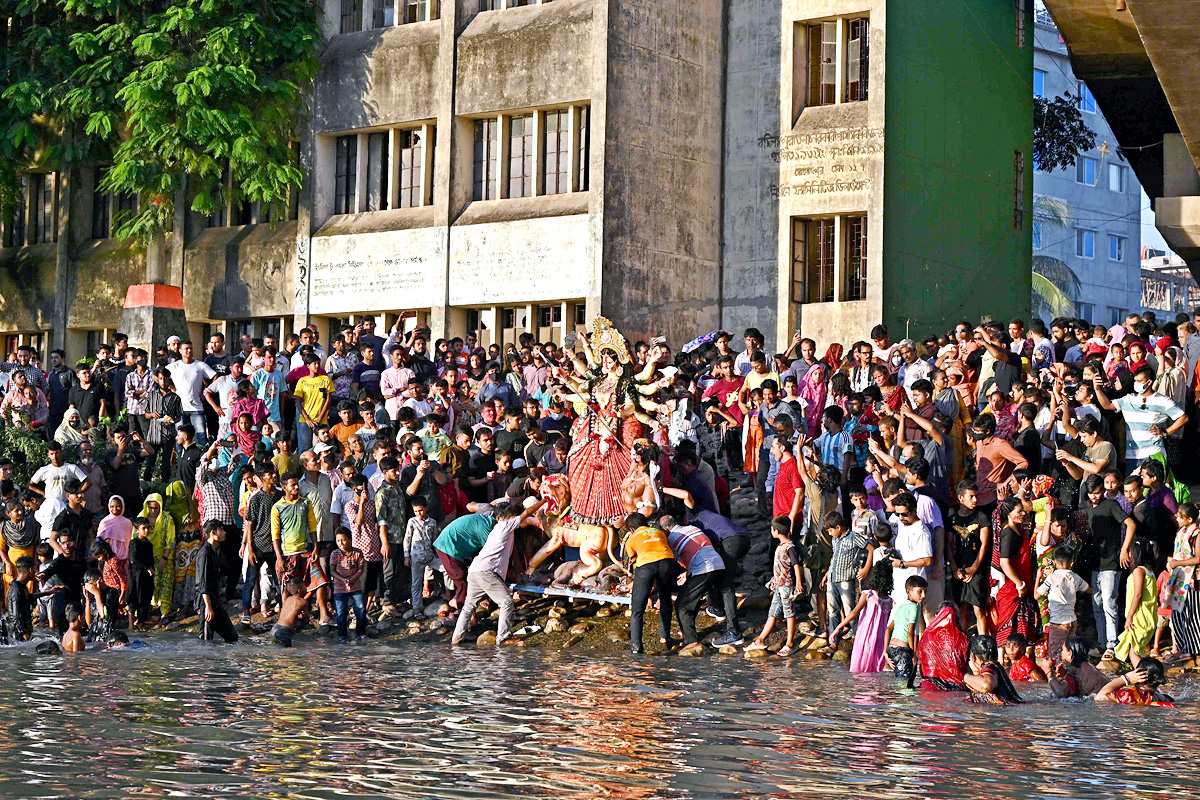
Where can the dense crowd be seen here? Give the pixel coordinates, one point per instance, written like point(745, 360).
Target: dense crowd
point(984, 481)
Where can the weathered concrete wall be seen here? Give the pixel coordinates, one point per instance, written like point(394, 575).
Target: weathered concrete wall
point(378, 77)
point(750, 215)
point(102, 271)
point(662, 167)
point(27, 279)
point(237, 272)
point(384, 270)
point(525, 58)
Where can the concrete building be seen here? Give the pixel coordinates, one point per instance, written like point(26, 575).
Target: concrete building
point(1168, 286)
point(1102, 242)
point(523, 166)
point(1141, 61)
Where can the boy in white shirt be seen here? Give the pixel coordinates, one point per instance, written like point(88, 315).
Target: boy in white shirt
point(1060, 588)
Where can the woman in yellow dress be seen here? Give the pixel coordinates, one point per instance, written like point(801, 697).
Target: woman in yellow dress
point(162, 539)
point(1141, 605)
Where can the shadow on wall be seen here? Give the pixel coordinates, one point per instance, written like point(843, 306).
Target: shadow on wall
point(27, 277)
point(750, 227)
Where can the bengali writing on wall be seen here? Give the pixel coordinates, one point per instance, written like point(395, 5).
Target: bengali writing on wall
point(830, 161)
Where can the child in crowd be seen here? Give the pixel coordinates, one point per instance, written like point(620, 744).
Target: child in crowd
point(45, 554)
point(969, 550)
point(72, 640)
point(871, 613)
point(905, 626)
point(433, 438)
point(20, 600)
point(1015, 658)
point(1061, 588)
point(850, 563)
point(418, 549)
point(1141, 605)
point(346, 568)
point(114, 583)
point(785, 577)
point(294, 604)
point(141, 573)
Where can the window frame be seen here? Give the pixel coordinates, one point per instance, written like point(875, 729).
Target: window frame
point(350, 19)
point(1039, 83)
point(1086, 101)
point(863, 39)
point(520, 156)
point(1081, 165)
point(1117, 241)
point(1082, 237)
point(345, 174)
point(556, 153)
point(1122, 175)
point(485, 159)
point(822, 59)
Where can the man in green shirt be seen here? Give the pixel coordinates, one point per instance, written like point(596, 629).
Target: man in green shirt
point(293, 533)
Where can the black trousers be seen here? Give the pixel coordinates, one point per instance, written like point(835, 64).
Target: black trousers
point(232, 549)
point(220, 624)
point(658, 574)
point(721, 595)
point(396, 576)
point(141, 592)
point(687, 605)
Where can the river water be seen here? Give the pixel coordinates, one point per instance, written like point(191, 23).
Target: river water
point(400, 719)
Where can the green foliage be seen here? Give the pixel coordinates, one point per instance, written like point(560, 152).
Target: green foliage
point(1055, 285)
point(168, 89)
point(1059, 133)
point(27, 450)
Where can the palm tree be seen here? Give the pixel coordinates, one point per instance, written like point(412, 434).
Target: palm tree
point(1055, 284)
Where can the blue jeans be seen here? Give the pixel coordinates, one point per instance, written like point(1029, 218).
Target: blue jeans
point(250, 581)
point(304, 434)
point(840, 597)
point(1105, 587)
point(342, 603)
point(196, 420)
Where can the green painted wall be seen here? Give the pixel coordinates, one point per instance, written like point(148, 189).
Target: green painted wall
point(958, 103)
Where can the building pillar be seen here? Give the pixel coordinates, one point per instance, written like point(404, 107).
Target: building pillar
point(62, 259)
point(573, 122)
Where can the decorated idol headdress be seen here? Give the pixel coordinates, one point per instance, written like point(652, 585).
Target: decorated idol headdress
point(606, 337)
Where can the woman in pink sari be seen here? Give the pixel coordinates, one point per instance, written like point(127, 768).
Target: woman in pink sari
point(812, 391)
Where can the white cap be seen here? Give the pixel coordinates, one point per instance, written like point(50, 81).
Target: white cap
point(322, 447)
point(518, 463)
point(173, 340)
point(669, 372)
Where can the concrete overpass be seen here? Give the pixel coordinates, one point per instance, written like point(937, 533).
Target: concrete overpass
point(1141, 60)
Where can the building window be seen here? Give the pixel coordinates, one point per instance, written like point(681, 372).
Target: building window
point(1116, 248)
point(1039, 83)
point(411, 165)
point(585, 143)
point(1116, 178)
point(43, 207)
point(346, 175)
point(101, 219)
point(377, 171)
point(556, 167)
point(822, 60)
point(1085, 311)
point(1085, 243)
point(419, 10)
point(243, 212)
point(508, 318)
point(1019, 7)
point(856, 258)
point(520, 156)
point(556, 315)
point(491, 5)
point(14, 232)
point(813, 259)
point(543, 316)
point(383, 15)
point(1085, 170)
point(1116, 316)
point(485, 163)
point(351, 16)
point(857, 45)
point(580, 314)
point(472, 319)
point(1037, 235)
point(1087, 102)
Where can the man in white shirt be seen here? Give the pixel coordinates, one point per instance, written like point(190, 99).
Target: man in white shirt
point(190, 377)
point(912, 369)
point(913, 544)
point(222, 394)
point(53, 477)
point(754, 341)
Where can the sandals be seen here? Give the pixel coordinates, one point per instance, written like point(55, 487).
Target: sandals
point(755, 646)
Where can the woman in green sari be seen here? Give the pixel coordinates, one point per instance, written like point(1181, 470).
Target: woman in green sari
point(162, 539)
point(187, 544)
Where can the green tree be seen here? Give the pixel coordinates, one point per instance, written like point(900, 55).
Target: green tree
point(174, 92)
point(1059, 133)
point(1055, 284)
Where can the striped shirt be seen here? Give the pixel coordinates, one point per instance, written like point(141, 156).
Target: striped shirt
point(693, 549)
point(834, 446)
point(1141, 412)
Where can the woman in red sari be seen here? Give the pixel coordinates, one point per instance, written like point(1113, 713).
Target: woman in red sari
point(893, 396)
point(1014, 608)
point(1138, 688)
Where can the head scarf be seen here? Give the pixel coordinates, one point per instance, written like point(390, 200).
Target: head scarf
point(178, 504)
point(812, 390)
point(67, 434)
point(833, 356)
point(162, 530)
point(118, 528)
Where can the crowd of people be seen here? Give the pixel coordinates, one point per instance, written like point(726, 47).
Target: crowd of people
point(984, 481)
